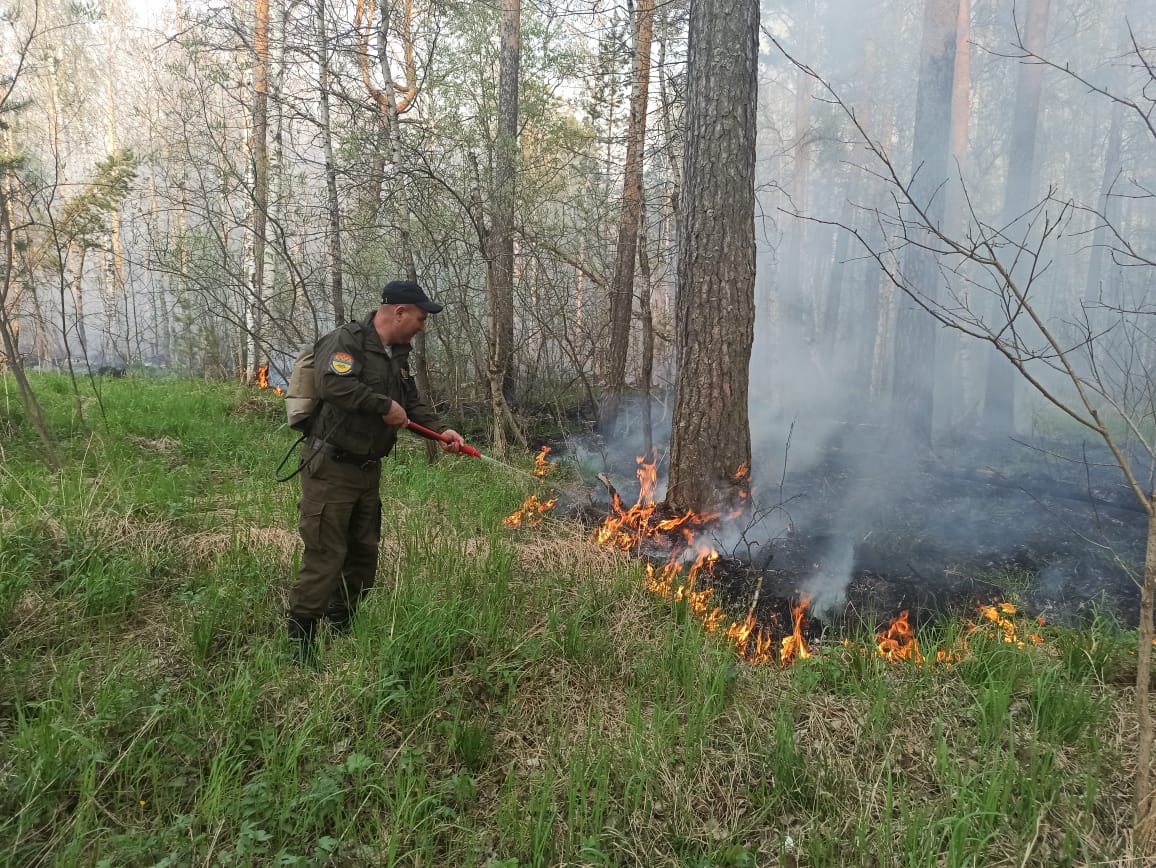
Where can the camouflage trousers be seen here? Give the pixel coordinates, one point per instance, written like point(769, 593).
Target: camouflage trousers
point(340, 524)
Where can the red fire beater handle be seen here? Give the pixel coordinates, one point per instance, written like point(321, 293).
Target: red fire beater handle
point(434, 435)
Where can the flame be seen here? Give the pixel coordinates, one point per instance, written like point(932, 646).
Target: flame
point(794, 647)
point(754, 644)
point(626, 528)
point(898, 641)
point(530, 513)
point(542, 467)
point(263, 377)
point(666, 583)
point(278, 391)
point(1003, 627)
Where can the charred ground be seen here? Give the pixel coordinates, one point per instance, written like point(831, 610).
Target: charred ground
point(868, 533)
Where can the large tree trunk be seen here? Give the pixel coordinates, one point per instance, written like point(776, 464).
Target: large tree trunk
point(1108, 205)
point(913, 387)
point(1113, 167)
point(500, 271)
point(12, 289)
point(715, 301)
point(275, 172)
point(622, 285)
point(793, 276)
point(999, 398)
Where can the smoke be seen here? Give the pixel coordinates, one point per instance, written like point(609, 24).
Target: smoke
point(830, 460)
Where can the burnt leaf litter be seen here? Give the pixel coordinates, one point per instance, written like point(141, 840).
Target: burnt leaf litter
point(1053, 527)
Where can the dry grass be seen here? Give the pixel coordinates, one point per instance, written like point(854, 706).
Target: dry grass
point(277, 544)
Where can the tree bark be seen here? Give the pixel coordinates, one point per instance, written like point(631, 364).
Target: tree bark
point(622, 285)
point(113, 262)
point(716, 264)
point(646, 367)
point(955, 353)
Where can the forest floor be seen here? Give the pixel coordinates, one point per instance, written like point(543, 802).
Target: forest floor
point(513, 696)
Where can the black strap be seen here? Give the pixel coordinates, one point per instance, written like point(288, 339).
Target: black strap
point(277, 473)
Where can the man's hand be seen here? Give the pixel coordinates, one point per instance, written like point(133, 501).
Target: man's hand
point(396, 415)
point(453, 441)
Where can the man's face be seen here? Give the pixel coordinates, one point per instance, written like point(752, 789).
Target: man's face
point(410, 322)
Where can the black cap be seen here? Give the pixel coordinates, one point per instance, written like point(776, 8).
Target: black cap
point(408, 292)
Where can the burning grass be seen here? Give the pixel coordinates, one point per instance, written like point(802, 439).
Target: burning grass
point(504, 695)
point(684, 573)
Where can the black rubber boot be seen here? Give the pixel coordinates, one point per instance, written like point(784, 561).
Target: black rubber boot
point(303, 641)
point(340, 612)
point(340, 619)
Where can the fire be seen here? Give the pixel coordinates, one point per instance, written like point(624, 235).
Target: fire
point(754, 644)
point(262, 380)
point(794, 647)
point(530, 513)
point(668, 584)
point(542, 467)
point(898, 641)
point(626, 528)
point(1000, 624)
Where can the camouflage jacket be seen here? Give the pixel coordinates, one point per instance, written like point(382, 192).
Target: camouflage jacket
point(357, 381)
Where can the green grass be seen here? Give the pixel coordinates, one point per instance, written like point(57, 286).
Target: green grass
point(507, 697)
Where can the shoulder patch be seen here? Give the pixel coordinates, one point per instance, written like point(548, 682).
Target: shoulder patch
point(341, 363)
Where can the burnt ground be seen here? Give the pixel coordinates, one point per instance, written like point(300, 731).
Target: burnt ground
point(871, 535)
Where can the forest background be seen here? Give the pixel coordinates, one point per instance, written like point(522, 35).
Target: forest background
point(206, 188)
point(202, 189)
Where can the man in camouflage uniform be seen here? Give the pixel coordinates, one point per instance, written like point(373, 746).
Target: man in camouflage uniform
point(367, 394)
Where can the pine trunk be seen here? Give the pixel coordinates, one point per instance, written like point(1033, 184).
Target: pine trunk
point(715, 298)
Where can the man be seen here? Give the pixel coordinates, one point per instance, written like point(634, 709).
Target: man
point(367, 394)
